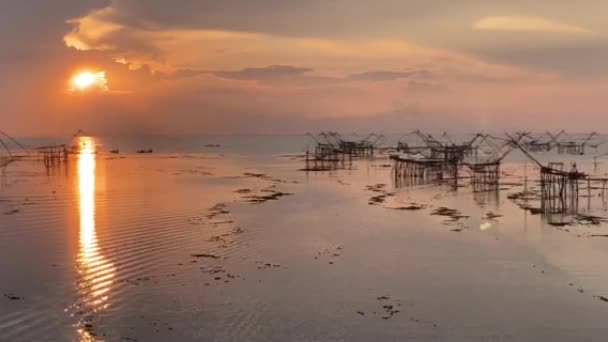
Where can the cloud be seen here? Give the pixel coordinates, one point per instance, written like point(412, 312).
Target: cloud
point(136, 34)
point(276, 17)
point(178, 53)
point(260, 66)
point(527, 24)
point(179, 74)
point(390, 75)
point(299, 75)
point(266, 73)
point(289, 75)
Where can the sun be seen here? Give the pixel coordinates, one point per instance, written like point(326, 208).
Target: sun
point(89, 80)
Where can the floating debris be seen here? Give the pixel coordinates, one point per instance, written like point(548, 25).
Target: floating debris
point(379, 188)
point(454, 214)
point(491, 215)
point(330, 253)
point(444, 211)
point(12, 212)
point(266, 265)
point(194, 172)
point(411, 206)
point(589, 219)
point(524, 196)
point(389, 309)
point(257, 175)
point(218, 209)
point(272, 195)
point(376, 188)
point(217, 269)
point(12, 297)
point(205, 255)
point(602, 298)
point(377, 199)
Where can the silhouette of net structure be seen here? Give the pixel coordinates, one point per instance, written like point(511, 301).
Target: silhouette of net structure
point(333, 151)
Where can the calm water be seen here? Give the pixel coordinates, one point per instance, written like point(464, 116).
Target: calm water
point(233, 243)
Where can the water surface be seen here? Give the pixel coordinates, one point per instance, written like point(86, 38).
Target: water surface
point(234, 243)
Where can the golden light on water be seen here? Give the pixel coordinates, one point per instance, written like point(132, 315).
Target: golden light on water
point(86, 191)
point(95, 271)
point(487, 225)
point(88, 80)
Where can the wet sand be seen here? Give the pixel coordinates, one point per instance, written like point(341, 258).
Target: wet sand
point(226, 247)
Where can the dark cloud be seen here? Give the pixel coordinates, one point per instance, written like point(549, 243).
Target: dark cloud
point(261, 74)
point(32, 29)
point(267, 73)
point(299, 75)
point(278, 17)
point(179, 74)
point(328, 18)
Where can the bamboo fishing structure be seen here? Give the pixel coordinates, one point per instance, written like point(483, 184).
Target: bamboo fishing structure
point(443, 160)
point(332, 151)
point(7, 157)
point(560, 188)
point(53, 155)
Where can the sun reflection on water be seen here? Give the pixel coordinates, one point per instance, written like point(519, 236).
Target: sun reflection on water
point(96, 273)
point(487, 225)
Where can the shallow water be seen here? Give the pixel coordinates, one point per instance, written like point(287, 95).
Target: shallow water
point(174, 246)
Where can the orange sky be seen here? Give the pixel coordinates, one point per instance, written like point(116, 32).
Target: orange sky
point(271, 66)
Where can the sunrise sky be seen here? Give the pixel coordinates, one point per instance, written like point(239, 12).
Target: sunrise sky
point(286, 66)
